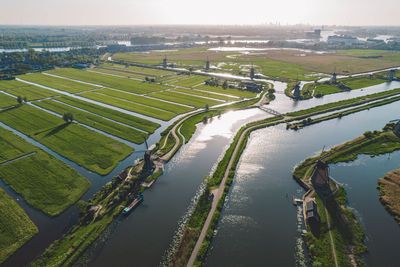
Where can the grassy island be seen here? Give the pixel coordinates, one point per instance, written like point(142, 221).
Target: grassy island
point(389, 193)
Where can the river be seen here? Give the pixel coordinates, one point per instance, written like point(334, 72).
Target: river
point(259, 224)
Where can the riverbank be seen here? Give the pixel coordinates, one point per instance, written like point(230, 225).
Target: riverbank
point(389, 193)
point(187, 240)
point(347, 233)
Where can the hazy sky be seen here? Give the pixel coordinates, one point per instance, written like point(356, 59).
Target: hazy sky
point(130, 12)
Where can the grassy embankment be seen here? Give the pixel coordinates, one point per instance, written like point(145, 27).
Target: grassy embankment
point(346, 230)
point(124, 84)
point(344, 103)
point(15, 226)
point(133, 121)
point(107, 204)
point(319, 89)
point(340, 114)
point(96, 122)
point(389, 193)
point(90, 149)
point(57, 83)
point(44, 181)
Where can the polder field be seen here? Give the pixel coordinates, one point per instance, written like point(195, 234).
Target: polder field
point(108, 103)
point(278, 63)
point(45, 182)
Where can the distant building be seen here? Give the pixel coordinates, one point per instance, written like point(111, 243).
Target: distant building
point(296, 91)
point(252, 73)
point(342, 39)
point(320, 179)
point(312, 211)
point(391, 74)
point(316, 34)
point(252, 87)
point(334, 77)
point(165, 62)
point(207, 64)
point(148, 163)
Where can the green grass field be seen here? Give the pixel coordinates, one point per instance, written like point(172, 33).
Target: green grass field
point(13, 146)
point(15, 226)
point(7, 101)
point(90, 149)
point(185, 99)
point(9, 84)
point(191, 81)
point(57, 83)
point(229, 91)
point(362, 81)
point(131, 106)
point(177, 109)
point(121, 73)
point(206, 94)
point(141, 70)
point(125, 84)
point(32, 92)
point(352, 82)
point(136, 122)
point(45, 182)
point(96, 122)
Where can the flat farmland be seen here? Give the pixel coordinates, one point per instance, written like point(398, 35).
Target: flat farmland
point(131, 106)
point(92, 150)
point(45, 182)
point(12, 146)
point(57, 83)
point(229, 91)
point(6, 100)
point(133, 121)
point(121, 73)
point(96, 122)
point(124, 84)
point(206, 94)
point(177, 109)
point(191, 81)
point(138, 70)
point(185, 99)
point(15, 226)
point(32, 92)
point(283, 63)
point(9, 84)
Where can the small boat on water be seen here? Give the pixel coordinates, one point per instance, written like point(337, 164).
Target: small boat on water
point(133, 204)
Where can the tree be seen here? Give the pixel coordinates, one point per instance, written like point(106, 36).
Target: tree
point(206, 107)
point(225, 84)
point(68, 117)
point(20, 100)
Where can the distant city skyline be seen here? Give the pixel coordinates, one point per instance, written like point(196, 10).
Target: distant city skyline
point(137, 12)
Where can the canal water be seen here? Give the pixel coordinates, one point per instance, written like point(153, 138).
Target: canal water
point(258, 225)
point(147, 233)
